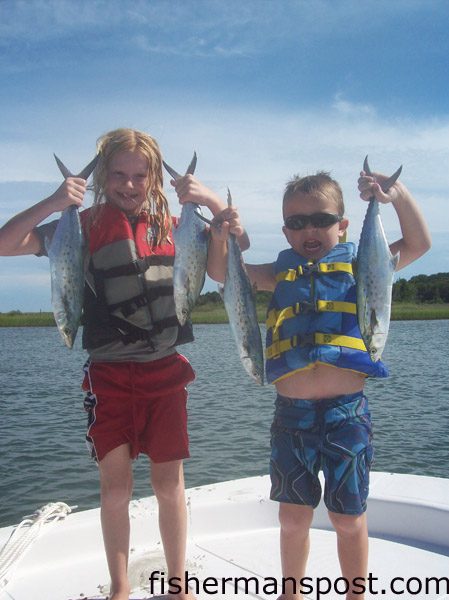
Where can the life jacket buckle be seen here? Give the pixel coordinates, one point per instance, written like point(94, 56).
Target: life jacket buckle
point(308, 268)
point(307, 339)
point(307, 307)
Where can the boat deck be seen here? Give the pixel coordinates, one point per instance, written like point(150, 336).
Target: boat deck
point(233, 547)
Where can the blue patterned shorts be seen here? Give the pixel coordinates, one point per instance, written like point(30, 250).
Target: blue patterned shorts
point(333, 435)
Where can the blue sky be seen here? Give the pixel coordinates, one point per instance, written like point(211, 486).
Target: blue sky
point(260, 89)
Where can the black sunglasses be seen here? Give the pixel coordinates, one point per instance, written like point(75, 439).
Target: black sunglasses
point(316, 220)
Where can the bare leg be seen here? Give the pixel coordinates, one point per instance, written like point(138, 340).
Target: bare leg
point(116, 490)
point(352, 543)
point(168, 484)
point(295, 523)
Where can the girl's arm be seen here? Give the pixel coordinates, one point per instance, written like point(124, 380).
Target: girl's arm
point(190, 189)
point(415, 239)
point(17, 236)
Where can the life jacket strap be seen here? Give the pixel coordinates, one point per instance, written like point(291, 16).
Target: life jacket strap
point(131, 333)
point(135, 267)
point(276, 318)
point(278, 347)
point(130, 306)
point(311, 267)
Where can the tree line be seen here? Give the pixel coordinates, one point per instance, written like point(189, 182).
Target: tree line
point(422, 289)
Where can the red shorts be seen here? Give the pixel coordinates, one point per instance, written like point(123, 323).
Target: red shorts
point(140, 404)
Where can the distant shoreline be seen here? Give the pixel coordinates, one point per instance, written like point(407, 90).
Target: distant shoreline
point(214, 314)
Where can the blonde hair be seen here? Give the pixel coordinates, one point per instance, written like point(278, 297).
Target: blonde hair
point(320, 185)
point(156, 204)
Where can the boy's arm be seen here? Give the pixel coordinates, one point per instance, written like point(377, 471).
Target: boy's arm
point(415, 239)
point(262, 276)
point(17, 236)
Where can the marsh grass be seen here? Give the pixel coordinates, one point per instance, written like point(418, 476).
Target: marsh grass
point(214, 313)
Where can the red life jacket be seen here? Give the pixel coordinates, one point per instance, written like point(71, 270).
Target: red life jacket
point(129, 291)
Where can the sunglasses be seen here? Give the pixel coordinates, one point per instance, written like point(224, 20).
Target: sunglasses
point(316, 220)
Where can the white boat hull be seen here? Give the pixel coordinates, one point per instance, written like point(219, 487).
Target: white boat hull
point(234, 533)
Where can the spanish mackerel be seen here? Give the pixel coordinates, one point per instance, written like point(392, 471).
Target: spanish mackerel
point(239, 302)
point(191, 243)
point(375, 270)
point(66, 254)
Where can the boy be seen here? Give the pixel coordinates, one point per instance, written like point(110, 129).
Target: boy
point(321, 418)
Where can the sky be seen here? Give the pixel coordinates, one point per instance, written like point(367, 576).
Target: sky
point(261, 89)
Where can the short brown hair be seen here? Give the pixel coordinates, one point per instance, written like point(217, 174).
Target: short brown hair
point(319, 185)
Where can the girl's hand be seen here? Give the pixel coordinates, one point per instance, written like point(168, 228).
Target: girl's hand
point(226, 222)
point(190, 189)
point(71, 191)
point(370, 186)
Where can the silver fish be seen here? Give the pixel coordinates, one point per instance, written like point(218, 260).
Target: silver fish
point(66, 255)
point(375, 270)
point(238, 298)
point(191, 243)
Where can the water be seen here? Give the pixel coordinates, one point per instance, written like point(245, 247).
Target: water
point(42, 449)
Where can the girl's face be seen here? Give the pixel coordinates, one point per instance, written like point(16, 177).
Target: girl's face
point(312, 242)
point(127, 181)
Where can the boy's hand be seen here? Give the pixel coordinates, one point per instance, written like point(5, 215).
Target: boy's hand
point(71, 191)
point(190, 189)
point(370, 186)
point(226, 222)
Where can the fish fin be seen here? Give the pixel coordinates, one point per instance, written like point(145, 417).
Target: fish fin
point(395, 261)
point(47, 244)
point(387, 185)
point(192, 166)
point(390, 181)
point(190, 169)
point(64, 170)
point(221, 290)
point(171, 171)
point(366, 166)
point(88, 169)
point(201, 216)
point(229, 198)
point(374, 323)
point(84, 173)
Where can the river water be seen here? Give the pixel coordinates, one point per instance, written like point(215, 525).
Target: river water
point(42, 424)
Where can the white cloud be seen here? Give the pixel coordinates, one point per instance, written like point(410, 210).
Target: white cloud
point(252, 151)
point(351, 109)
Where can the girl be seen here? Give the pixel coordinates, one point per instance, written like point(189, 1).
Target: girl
point(135, 380)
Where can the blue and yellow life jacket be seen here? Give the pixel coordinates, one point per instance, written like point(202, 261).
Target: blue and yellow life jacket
point(312, 316)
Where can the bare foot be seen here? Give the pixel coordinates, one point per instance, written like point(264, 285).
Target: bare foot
point(182, 596)
point(119, 595)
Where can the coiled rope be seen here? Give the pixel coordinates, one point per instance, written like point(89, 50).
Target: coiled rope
point(24, 534)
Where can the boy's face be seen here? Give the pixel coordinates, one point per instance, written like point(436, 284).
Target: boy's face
point(313, 242)
point(127, 181)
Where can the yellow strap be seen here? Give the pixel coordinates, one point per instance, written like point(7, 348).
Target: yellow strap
point(328, 339)
point(320, 339)
point(276, 318)
point(335, 267)
point(290, 275)
point(280, 346)
point(336, 306)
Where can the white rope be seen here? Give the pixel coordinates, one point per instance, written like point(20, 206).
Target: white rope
point(24, 534)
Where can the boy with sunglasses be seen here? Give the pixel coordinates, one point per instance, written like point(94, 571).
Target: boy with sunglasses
point(316, 359)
